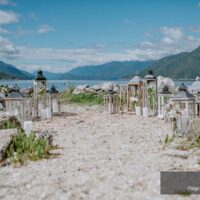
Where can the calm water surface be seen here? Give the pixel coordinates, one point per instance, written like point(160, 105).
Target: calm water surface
point(63, 84)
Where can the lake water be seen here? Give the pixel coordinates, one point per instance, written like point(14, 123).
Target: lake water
point(63, 84)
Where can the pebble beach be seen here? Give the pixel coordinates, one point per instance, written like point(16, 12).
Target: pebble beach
point(101, 156)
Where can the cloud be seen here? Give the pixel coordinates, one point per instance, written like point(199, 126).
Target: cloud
point(195, 29)
point(198, 4)
point(8, 17)
point(128, 22)
point(3, 31)
point(61, 60)
point(7, 49)
point(6, 2)
point(172, 32)
point(32, 15)
point(167, 40)
point(21, 32)
point(45, 29)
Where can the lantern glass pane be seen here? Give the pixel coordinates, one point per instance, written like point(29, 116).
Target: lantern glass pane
point(191, 109)
point(27, 105)
point(151, 99)
point(55, 105)
point(182, 105)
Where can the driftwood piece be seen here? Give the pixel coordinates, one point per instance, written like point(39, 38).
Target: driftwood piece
point(6, 136)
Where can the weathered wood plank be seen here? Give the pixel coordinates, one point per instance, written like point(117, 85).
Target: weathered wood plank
point(6, 136)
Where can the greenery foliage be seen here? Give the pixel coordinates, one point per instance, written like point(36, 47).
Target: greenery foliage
point(29, 147)
point(4, 89)
point(23, 147)
point(86, 98)
point(7, 124)
point(151, 97)
point(168, 140)
point(190, 143)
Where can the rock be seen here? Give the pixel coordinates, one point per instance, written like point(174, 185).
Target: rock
point(5, 118)
point(47, 135)
point(106, 87)
point(91, 90)
point(96, 87)
point(162, 81)
point(80, 89)
point(195, 87)
point(116, 88)
point(6, 136)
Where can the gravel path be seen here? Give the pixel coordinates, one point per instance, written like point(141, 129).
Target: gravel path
point(102, 157)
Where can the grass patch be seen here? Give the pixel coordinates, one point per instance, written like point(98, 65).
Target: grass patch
point(29, 147)
point(23, 147)
point(9, 124)
point(87, 98)
point(190, 143)
point(168, 140)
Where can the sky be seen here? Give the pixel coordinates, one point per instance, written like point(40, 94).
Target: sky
point(58, 35)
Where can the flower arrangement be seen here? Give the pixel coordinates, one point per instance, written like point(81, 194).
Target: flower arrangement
point(151, 97)
point(172, 110)
point(134, 101)
point(4, 89)
point(172, 113)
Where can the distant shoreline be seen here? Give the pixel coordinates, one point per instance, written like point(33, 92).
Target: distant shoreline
point(86, 79)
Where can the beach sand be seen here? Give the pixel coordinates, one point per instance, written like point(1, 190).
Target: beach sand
point(103, 156)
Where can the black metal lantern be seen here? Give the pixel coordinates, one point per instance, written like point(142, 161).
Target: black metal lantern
point(40, 95)
point(185, 102)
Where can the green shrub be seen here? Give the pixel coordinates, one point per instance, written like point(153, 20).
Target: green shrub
point(168, 140)
point(190, 143)
point(87, 98)
point(9, 124)
point(25, 147)
point(83, 98)
point(71, 88)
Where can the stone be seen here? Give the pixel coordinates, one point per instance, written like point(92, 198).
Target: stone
point(165, 81)
point(6, 136)
point(91, 90)
point(195, 87)
point(106, 86)
point(96, 87)
point(4, 118)
point(47, 135)
point(80, 89)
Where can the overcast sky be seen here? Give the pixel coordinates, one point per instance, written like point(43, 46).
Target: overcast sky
point(58, 35)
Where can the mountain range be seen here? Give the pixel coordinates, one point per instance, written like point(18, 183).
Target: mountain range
point(109, 71)
point(185, 65)
point(8, 71)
